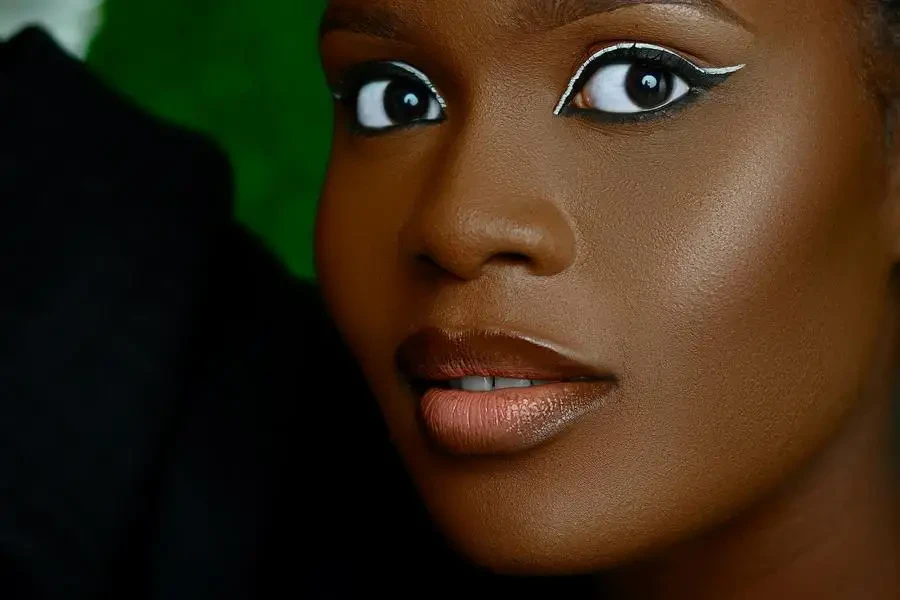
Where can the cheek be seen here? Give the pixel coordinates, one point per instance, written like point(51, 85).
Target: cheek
point(359, 267)
point(766, 273)
point(752, 284)
point(355, 235)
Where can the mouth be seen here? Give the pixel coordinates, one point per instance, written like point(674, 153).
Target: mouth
point(489, 384)
point(489, 392)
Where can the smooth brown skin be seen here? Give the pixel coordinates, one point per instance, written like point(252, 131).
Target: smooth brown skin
point(732, 265)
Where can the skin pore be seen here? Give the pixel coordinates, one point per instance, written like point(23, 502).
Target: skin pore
point(728, 258)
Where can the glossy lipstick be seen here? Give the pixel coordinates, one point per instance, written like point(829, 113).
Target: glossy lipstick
point(497, 421)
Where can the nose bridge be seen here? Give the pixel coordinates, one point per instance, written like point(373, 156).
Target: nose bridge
point(489, 204)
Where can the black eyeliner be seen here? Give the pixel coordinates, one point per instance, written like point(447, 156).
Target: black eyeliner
point(346, 91)
point(699, 79)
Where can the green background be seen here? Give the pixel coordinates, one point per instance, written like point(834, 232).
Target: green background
point(247, 73)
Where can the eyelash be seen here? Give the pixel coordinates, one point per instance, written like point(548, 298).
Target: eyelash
point(700, 80)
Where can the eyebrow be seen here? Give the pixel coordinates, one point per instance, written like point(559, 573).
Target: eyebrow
point(532, 15)
point(371, 20)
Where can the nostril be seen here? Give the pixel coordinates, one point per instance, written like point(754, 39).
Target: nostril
point(427, 261)
point(430, 263)
point(513, 257)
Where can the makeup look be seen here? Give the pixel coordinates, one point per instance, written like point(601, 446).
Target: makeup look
point(619, 273)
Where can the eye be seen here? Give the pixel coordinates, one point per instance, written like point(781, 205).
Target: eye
point(631, 88)
point(391, 103)
point(390, 95)
point(632, 80)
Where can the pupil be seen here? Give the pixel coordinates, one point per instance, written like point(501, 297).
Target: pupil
point(405, 101)
point(648, 86)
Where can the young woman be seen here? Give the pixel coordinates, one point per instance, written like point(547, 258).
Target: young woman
point(620, 274)
point(621, 277)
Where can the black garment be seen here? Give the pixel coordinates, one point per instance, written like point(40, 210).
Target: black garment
point(168, 392)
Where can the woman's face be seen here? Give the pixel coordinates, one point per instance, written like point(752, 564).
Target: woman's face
point(691, 258)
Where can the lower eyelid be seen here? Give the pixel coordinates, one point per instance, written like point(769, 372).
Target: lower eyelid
point(607, 118)
point(397, 129)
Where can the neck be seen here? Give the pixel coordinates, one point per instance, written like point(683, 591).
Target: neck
point(832, 532)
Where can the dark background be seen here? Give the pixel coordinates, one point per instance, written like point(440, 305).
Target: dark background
point(247, 73)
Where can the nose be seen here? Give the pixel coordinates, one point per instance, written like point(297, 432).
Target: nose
point(480, 214)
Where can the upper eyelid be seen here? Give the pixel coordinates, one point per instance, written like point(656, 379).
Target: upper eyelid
point(593, 58)
point(409, 70)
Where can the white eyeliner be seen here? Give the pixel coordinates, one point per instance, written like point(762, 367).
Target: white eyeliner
point(567, 95)
point(422, 77)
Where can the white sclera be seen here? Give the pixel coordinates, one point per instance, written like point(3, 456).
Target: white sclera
point(606, 90)
point(371, 112)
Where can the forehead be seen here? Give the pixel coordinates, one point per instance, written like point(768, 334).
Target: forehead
point(392, 16)
point(537, 12)
point(520, 11)
point(454, 22)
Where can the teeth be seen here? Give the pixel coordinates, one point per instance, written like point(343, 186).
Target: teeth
point(501, 383)
point(486, 384)
point(476, 384)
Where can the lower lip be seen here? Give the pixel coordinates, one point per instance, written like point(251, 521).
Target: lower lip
point(508, 420)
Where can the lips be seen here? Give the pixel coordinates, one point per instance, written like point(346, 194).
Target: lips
point(490, 392)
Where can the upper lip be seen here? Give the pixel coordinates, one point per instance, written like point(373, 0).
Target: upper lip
point(434, 354)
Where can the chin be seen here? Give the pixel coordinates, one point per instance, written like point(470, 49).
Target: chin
point(538, 545)
point(522, 515)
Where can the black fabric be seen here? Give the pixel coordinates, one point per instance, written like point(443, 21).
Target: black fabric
point(102, 260)
point(178, 416)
